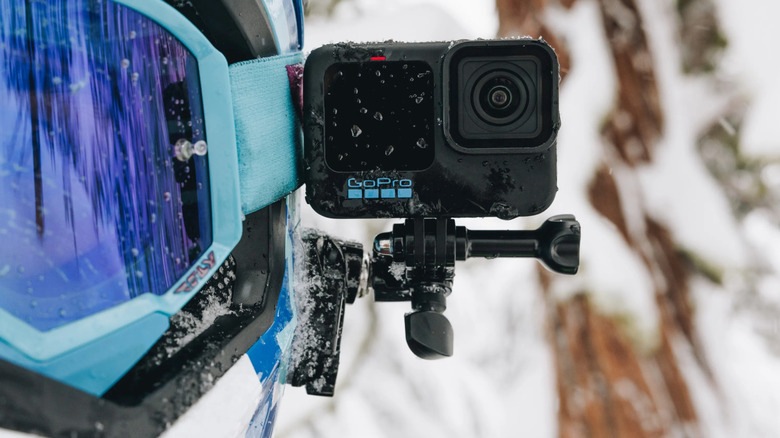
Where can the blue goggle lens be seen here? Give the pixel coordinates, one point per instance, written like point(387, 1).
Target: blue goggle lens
point(104, 188)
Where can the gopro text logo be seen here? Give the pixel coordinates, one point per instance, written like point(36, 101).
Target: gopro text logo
point(384, 188)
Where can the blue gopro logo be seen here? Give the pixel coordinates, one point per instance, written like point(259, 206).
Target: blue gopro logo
point(384, 188)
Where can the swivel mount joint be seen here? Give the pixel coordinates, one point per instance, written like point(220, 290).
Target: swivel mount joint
point(416, 262)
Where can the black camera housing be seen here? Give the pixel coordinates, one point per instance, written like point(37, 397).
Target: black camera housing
point(442, 129)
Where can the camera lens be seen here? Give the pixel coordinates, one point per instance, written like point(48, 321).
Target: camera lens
point(499, 97)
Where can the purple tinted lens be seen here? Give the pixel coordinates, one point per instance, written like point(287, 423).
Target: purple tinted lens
point(97, 204)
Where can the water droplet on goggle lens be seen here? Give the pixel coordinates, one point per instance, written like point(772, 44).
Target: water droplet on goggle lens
point(184, 149)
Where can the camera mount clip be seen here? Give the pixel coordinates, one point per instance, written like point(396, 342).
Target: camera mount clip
point(416, 262)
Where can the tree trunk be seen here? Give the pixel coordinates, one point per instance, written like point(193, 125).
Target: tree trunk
point(608, 385)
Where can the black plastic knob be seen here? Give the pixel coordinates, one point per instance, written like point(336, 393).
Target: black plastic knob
point(429, 334)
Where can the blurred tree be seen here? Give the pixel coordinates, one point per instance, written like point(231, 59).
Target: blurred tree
point(607, 384)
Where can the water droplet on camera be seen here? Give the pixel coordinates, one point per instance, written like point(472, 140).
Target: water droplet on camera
point(363, 111)
point(485, 163)
point(355, 91)
point(356, 131)
point(418, 100)
point(167, 196)
point(378, 116)
point(378, 73)
point(341, 157)
point(125, 63)
point(335, 111)
point(134, 252)
point(421, 143)
point(389, 150)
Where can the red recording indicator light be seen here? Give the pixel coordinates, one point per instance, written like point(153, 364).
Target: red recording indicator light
point(378, 58)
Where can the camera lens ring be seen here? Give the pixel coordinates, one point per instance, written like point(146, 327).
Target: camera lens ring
point(483, 91)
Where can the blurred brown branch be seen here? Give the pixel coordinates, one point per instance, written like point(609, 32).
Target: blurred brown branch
point(607, 386)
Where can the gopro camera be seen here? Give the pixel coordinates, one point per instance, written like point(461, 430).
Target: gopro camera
point(443, 129)
point(428, 132)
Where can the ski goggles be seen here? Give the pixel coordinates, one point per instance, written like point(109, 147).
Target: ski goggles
point(129, 153)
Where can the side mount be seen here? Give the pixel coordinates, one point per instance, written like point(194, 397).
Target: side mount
point(416, 262)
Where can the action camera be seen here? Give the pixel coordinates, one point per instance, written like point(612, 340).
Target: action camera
point(428, 132)
point(443, 129)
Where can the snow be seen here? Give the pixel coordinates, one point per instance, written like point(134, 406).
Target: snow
point(192, 326)
point(752, 62)
point(374, 20)
point(679, 189)
point(748, 381)
point(12, 434)
point(765, 240)
point(501, 381)
point(225, 410)
point(608, 268)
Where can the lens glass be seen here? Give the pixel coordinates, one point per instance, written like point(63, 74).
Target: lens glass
point(98, 204)
point(500, 97)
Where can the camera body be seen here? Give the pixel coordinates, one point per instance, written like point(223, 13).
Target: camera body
point(442, 129)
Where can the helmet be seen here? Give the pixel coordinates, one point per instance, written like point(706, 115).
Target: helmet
point(146, 152)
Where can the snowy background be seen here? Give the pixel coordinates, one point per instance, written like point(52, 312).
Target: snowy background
point(501, 381)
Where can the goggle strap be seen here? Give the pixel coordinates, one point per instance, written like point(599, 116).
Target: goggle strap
point(268, 132)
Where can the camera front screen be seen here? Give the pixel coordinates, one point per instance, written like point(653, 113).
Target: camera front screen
point(379, 115)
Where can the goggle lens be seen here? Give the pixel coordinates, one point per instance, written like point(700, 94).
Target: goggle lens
point(104, 188)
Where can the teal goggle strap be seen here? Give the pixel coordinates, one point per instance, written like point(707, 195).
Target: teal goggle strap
point(268, 131)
